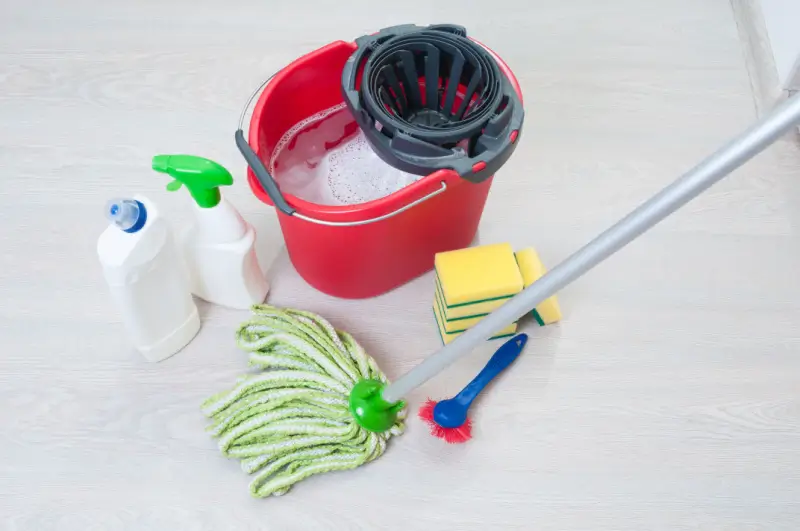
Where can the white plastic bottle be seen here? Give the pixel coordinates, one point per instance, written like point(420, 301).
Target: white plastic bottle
point(147, 279)
point(219, 247)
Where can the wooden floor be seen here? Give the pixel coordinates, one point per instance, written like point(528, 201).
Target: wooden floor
point(668, 398)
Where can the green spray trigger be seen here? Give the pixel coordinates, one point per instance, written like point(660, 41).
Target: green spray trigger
point(202, 177)
point(173, 186)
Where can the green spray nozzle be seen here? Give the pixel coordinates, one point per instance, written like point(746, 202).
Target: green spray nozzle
point(201, 176)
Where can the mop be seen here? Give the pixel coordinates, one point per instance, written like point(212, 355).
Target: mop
point(320, 403)
point(291, 419)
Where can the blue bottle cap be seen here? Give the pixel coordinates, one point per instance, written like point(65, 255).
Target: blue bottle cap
point(127, 214)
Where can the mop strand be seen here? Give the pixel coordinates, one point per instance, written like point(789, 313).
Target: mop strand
point(291, 419)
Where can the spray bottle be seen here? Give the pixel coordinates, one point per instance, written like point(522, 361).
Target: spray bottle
point(219, 246)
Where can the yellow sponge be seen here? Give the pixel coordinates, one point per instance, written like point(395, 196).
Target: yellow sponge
point(476, 280)
point(533, 269)
point(447, 337)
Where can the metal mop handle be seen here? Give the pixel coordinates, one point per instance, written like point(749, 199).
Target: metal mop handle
point(738, 151)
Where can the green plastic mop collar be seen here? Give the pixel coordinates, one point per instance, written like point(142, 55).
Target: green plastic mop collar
point(370, 410)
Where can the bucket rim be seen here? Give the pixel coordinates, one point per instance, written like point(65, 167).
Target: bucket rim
point(358, 211)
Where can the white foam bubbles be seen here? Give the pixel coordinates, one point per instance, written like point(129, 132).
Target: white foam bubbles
point(327, 160)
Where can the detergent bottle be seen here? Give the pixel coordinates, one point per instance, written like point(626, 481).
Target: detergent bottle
point(219, 247)
point(145, 274)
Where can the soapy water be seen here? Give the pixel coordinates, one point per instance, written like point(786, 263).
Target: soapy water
point(327, 160)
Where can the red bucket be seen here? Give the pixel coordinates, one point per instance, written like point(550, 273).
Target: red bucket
point(367, 249)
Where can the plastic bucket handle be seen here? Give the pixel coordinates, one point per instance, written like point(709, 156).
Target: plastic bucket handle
point(271, 187)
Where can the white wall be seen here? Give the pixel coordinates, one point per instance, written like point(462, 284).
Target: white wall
point(782, 19)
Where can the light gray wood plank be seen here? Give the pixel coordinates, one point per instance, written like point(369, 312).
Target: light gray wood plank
point(668, 398)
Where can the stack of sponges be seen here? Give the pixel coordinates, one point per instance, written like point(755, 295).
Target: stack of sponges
point(472, 282)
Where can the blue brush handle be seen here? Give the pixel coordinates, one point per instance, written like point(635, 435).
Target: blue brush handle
point(501, 359)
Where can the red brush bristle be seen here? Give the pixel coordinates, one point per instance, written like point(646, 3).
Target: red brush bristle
point(452, 435)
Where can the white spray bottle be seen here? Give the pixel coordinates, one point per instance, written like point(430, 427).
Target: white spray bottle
point(220, 246)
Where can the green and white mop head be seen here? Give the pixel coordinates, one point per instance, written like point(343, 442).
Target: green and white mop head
point(291, 419)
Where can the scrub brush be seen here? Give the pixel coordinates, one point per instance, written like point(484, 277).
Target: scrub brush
point(448, 419)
